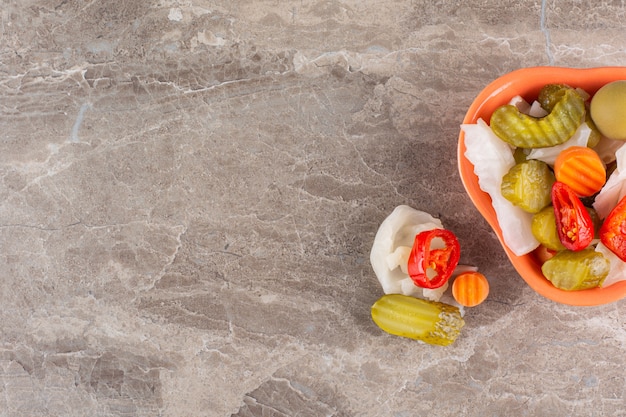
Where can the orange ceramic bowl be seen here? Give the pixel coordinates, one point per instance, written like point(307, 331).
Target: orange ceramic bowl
point(527, 82)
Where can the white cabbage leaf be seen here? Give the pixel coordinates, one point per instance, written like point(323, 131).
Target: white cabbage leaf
point(615, 187)
point(549, 154)
point(392, 245)
point(617, 270)
point(391, 249)
point(492, 158)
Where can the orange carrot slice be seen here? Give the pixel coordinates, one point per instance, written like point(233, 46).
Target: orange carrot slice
point(582, 169)
point(470, 289)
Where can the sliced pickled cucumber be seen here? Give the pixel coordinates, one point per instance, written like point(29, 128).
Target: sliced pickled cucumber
point(594, 135)
point(550, 94)
point(572, 271)
point(429, 321)
point(543, 226)
point(528, 185)
point(520, 155)
point(567, 112)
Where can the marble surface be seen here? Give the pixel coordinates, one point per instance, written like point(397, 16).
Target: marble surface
point(190, 190)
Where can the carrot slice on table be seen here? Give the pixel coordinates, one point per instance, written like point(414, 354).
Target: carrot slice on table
point(470, 289)
point(582, 169)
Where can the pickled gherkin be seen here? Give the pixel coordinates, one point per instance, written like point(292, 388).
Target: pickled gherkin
point(429, 321)
point(550, 94)
point(572, 271)
point(566, 109)
point(520, 155)
point(543, 226)
point(594, 135)
point(528, 185)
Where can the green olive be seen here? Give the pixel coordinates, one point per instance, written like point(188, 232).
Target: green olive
point(608, 110)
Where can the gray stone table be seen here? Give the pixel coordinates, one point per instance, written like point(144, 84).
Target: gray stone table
point(190, 190)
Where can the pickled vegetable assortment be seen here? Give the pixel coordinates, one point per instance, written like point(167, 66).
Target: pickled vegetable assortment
point(414, 257)
point(572, 193)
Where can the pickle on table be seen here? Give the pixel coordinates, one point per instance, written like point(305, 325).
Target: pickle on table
point(543, 227)
point(566, 113)
point(432, 322)
point(528, 185)
point(572, 271)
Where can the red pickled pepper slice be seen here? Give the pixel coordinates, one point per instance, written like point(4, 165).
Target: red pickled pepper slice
point(613, 230)
point(425, 260)
point(573, 221)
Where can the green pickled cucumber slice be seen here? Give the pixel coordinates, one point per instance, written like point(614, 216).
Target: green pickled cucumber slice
point(432, 322)
point(520, 155)
point(594, 135)
point(572, 271)
point(550, 94)
point(528, 185)
point(543, 227)
point(567, 112)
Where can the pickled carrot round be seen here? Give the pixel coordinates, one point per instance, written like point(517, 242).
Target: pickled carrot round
point(582, 169)
point(470, 289)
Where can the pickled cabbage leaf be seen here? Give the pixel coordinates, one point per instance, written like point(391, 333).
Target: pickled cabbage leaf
point(392, 245)
point(549, 154)
point(606, 149)
point(615, 187)
point(492, 158)
point(390, 254)
point(617, 270)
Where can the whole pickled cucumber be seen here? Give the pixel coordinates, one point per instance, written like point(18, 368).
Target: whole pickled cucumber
point(543, 227)
point(567, 112)
point(528, 185)
point(573, 271)
point(429, 321)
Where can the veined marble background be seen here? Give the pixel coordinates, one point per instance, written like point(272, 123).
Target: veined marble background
point(190, 190)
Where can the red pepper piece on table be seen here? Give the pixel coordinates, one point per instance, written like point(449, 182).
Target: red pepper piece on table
point(573, 222)
point(430, 265)
point(613, 230)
